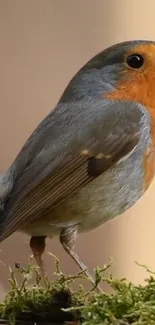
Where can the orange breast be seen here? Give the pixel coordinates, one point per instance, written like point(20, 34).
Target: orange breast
point(139, 86)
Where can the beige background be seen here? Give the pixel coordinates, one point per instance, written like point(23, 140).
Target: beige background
point(42, 44)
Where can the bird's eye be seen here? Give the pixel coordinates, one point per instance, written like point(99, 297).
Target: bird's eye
point(135, 61)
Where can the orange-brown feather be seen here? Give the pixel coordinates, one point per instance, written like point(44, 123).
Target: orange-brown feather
point(139, 86)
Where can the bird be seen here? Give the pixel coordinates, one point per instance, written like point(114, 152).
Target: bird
point(91, 158)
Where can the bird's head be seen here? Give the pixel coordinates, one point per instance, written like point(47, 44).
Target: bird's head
point(125, 71)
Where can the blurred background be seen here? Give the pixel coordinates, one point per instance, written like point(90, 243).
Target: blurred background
point(43, 43)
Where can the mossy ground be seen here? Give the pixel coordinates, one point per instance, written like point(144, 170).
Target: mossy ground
point(55, 301)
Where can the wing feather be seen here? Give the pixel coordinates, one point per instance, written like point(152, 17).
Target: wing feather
point(78, 167)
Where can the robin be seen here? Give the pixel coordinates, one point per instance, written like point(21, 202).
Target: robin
point(91, 158)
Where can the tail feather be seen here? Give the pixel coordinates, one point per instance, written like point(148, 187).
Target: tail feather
point(6, 185)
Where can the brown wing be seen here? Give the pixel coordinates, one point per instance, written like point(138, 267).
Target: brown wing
point(75, 173)
point(65, 153)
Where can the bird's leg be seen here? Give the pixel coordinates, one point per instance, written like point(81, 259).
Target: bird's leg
point(37, 244)
point(67, 239)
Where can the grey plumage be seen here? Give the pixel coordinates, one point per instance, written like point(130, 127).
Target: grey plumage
point(48, 188)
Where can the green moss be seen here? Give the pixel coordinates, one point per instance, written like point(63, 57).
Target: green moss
point(56, 301)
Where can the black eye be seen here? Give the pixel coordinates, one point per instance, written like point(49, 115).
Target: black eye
point(135, 61)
